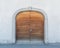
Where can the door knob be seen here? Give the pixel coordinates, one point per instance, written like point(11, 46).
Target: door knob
point(30, 30)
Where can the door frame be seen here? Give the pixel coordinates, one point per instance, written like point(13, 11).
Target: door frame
point(30, 8)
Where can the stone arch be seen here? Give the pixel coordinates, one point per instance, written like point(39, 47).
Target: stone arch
point(34, 9)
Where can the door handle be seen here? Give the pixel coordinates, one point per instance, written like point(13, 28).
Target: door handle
point(30, 30)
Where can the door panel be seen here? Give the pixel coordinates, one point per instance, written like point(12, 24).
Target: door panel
point(37, 25)
point(30, 25)
point(22, 25)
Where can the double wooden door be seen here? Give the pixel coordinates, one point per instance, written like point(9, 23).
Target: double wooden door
point(29, 25)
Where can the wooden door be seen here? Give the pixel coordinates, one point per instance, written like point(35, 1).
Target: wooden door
point(22, 25)
point(37, 25)
point(30, 25)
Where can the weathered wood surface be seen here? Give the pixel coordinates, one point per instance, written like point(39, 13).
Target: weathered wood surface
point(30, 24)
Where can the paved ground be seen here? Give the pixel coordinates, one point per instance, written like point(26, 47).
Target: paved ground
point(30, 46)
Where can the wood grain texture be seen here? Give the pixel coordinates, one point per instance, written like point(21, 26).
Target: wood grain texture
point(30, 25)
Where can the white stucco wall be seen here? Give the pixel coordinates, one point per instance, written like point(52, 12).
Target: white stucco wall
point(9, 7)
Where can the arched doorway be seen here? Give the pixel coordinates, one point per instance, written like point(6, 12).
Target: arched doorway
point(30, 25)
